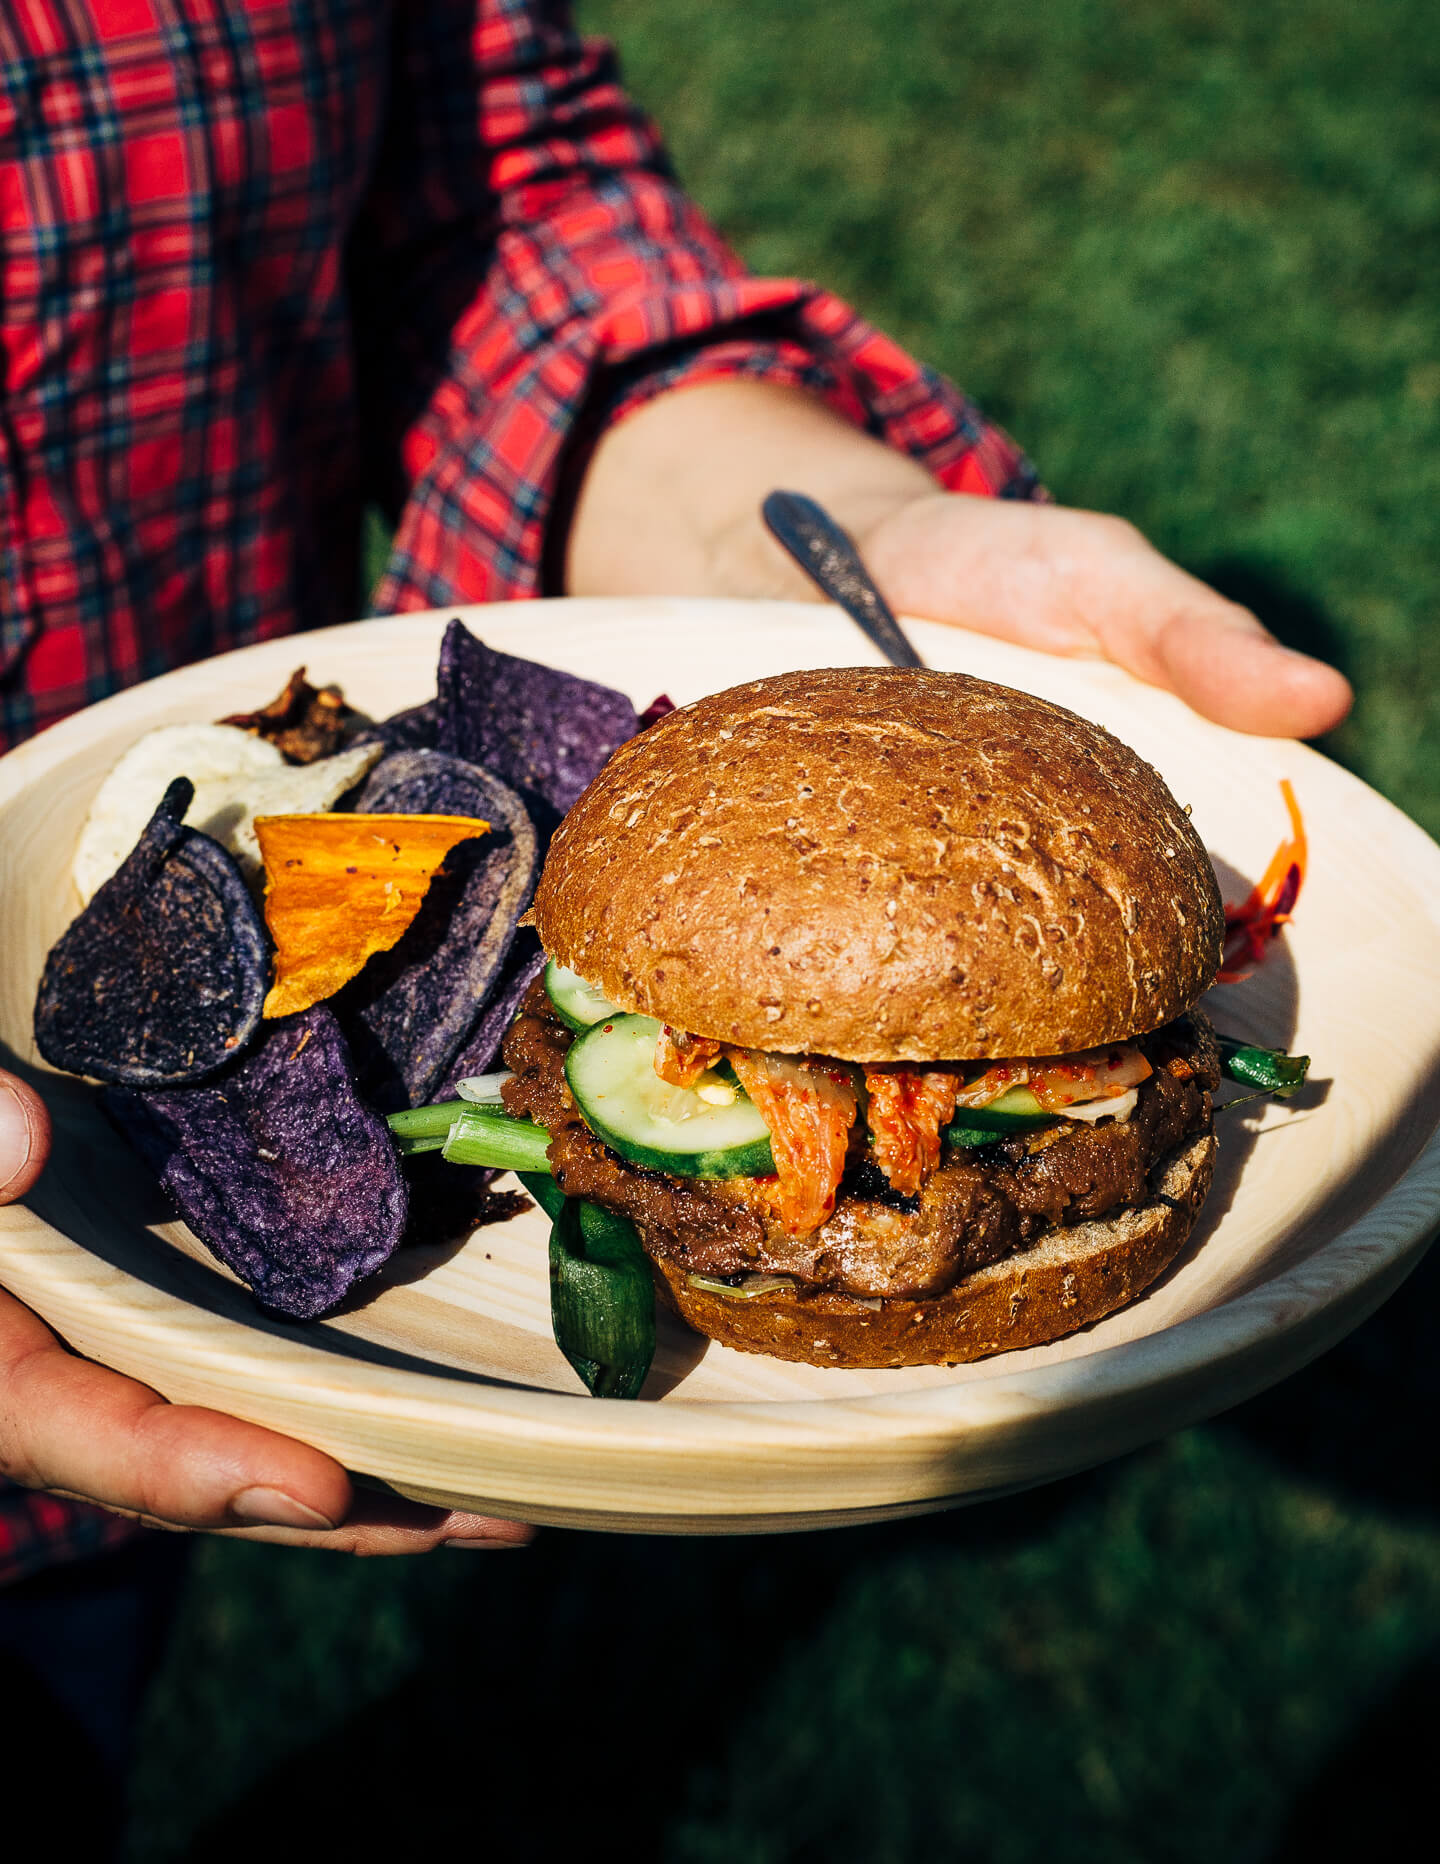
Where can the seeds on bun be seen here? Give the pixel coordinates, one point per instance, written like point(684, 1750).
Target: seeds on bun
point(884, 864)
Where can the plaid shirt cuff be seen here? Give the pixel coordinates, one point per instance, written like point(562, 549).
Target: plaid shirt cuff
point(39, 1530)
point(489, 503)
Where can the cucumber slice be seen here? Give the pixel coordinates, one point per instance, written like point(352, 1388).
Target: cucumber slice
point(1016, 1111)
point(611, 1072)
point(578, 1005)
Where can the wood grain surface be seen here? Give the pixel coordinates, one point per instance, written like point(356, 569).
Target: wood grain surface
point(444, 1383)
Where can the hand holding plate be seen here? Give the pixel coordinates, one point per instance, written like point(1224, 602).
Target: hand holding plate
point(77, 1429)
point(24, 1138)
point(1089, 586)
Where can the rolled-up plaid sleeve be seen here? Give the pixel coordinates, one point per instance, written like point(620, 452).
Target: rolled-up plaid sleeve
point(534, 271)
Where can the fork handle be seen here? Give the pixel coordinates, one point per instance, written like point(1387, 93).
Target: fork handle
point(829, 558)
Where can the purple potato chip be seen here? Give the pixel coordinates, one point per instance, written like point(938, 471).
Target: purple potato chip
point(546, 733)
point(279, 1168)
point(524, 964)
point(412, 1007)
point(161, 979)
point(448, 1201)
point(416, 729)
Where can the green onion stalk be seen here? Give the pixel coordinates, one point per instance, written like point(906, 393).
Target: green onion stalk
point(469, 1135)
point(1269, 1070)
point(602, 1295)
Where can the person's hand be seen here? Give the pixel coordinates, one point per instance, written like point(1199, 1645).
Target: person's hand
point(670, 506)
point(1080, 583)
point(72, 1427)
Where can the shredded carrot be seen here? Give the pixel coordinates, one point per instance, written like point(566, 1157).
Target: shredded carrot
point(1271, 905)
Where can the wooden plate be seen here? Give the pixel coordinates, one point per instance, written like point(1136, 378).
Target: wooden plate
point(446, 1385)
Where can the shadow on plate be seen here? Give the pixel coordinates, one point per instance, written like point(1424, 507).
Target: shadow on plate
point(1348, 1419)
point(1267, 1014)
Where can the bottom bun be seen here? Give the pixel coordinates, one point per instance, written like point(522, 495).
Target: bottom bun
point(1066, 1280)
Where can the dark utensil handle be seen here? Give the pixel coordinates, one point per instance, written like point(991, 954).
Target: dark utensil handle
point(831, 561)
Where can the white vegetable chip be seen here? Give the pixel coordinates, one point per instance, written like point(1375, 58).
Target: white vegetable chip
point(237, 776)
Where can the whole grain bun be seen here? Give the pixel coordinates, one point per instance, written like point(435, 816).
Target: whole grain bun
point(1068, 1279)
point(884, 864)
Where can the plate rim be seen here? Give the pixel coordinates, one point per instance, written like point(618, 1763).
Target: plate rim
point(1332, 1287)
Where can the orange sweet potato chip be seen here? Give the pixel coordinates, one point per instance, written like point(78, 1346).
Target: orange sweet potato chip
point(339, 888)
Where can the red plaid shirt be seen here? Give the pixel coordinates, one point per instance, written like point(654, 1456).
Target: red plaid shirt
point(265, 261)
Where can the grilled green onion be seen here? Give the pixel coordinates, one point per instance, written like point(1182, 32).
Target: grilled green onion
point(479, 1136)
point(602, 1298)
point(543, 1188)
point(425, 1129)
point(1270, 1070)
point(580, 1338)
point(470, 1135)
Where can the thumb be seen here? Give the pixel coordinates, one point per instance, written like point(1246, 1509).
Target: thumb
point(24, 1137)
point(1243, 677)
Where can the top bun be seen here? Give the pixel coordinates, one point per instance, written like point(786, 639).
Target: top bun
point(884, 864)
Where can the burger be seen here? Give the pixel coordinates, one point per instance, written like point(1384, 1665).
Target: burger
point(871, 1003)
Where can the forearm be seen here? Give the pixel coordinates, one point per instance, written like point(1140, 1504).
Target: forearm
point(670, 503)
point(597, 294)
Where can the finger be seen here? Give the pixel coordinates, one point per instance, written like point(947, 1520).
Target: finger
point(75, 1428)
point(376, 1525)
point(1081, 583)
point(386, 1525)
point(1245, 679)
point(70, 1425)
point(1172, 630)
point(24, 1137)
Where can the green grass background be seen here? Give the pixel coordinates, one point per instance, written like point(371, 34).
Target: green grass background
point(1187, 251)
